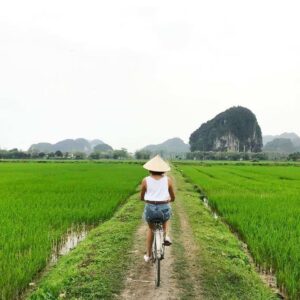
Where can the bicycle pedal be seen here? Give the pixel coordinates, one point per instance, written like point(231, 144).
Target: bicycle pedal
point(167, 243)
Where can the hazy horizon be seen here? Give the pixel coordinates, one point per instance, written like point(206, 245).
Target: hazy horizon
point(132, 73)
point(124, 146)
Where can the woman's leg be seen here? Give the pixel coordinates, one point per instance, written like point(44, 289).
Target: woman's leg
point(149, 239)
point(165, 228)
point(167, 215)
point(167, 240)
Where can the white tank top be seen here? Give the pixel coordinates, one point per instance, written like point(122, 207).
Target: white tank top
point(157, 189)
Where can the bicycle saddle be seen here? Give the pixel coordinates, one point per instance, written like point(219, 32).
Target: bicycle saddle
point(156, 217)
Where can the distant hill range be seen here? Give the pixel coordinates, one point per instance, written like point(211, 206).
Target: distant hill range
point(71, 146)
point(283, 143)
point(234, 130)
point(174, 145)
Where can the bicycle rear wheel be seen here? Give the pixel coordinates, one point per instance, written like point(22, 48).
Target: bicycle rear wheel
point(157, 254)
point(157, 271)
point(157, 258)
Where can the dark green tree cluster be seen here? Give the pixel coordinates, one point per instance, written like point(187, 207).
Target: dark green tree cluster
point(294, 156)
point(13, 154)
point(230, 156)
point(238, 121)
point(110, 154)
point(19, 154)
point(59, 155)
point(142, 154)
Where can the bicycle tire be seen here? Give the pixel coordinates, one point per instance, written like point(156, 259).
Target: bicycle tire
point(157, 261)
point(157, 272)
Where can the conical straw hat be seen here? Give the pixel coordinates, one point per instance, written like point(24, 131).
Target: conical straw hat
point(157, 164)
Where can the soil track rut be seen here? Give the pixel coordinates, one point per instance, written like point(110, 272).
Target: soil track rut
point(191, 255)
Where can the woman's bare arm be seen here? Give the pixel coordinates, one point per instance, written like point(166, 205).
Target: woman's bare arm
point(171, 190)
point(143, 189)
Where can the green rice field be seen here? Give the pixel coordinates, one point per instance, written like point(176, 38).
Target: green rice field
point(262, 204)
point(39, 202)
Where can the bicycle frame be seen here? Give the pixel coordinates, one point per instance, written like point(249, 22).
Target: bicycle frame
point(158, 240)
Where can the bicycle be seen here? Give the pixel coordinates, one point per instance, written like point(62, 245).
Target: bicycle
point(158, 248)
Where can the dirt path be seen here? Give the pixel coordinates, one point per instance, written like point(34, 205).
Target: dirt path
point(191, 251)
point(140, 279)
point(177, 268)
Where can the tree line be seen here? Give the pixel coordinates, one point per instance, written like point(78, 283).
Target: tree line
point(145, 155)
point(19, 154)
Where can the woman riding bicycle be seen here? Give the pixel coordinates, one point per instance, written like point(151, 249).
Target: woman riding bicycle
point(157, 191)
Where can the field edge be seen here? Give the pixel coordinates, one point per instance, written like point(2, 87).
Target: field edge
point(98, 265)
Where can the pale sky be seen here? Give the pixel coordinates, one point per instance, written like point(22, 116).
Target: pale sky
point(138, 72)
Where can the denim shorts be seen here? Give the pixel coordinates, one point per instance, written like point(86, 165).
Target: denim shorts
point(157, 211)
